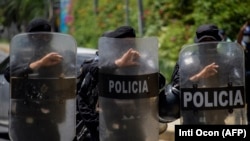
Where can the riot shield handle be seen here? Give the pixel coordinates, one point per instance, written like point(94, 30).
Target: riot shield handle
point(195, 86)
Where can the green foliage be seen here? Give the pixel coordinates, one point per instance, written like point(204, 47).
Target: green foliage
point(89, 24)
point(19, 11)
point(173, 21)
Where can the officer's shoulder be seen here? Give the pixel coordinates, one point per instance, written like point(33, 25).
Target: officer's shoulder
point(90, 60)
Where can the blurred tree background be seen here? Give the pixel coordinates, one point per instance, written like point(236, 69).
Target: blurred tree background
point(173, 21)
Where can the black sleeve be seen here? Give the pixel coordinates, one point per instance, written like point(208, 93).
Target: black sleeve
point(175, 78)
point(19, 71)
point(108, 67)
point(162, 81)
point(90, 66)
point(93, 67)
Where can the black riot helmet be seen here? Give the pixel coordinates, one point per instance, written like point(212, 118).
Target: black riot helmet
point(246, 35)
point(41, 26)
point(169, 104)
point(208, 32)
point(121, 32)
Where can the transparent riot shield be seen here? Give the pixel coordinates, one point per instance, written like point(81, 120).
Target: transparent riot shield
point(128, 94)
point(212, 83)
point(43, 86)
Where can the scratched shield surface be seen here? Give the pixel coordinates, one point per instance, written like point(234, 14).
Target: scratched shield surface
point(128, 94)
point(212, 83)
point(43, 99)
